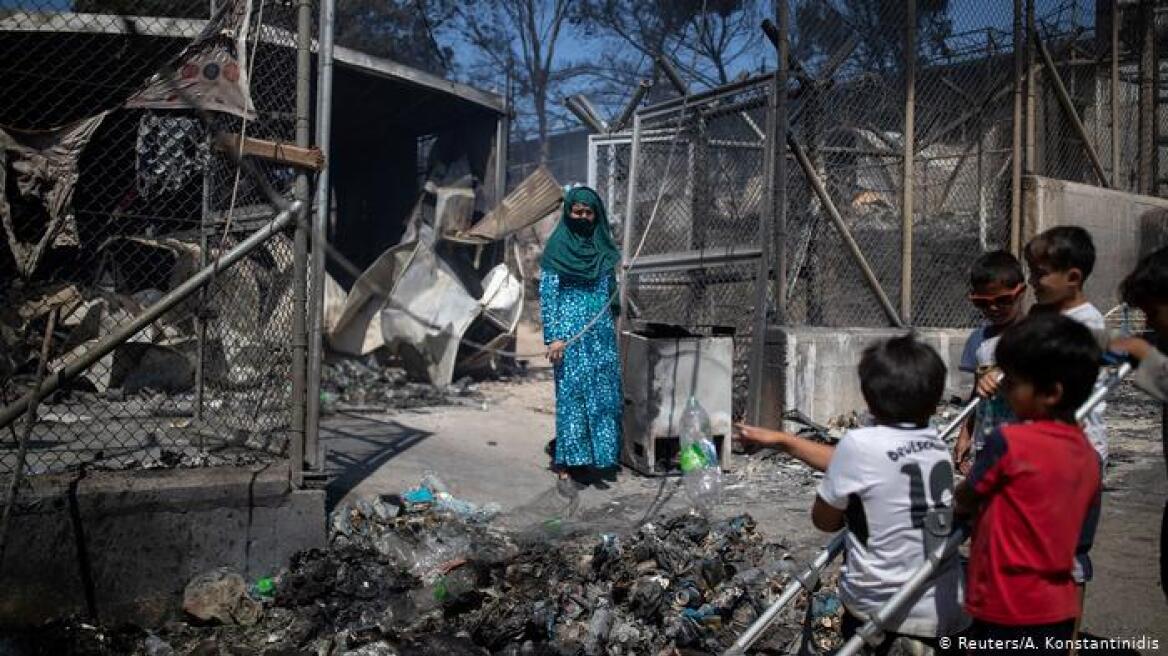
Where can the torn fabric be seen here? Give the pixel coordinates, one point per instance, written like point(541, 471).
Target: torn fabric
point(44, 166)
point(212, 70)
point(171, 150)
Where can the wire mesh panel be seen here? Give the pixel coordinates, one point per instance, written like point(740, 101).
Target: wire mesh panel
point(962, 158)
point(695, 216)
point(109, 204)
point(608, 174)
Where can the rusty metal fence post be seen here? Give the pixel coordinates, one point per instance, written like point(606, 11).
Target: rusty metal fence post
point(908, 176)
point(320, 219)
point(1016, 141)
point(300, 244)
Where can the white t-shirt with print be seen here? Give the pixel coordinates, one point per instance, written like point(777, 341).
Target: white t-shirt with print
point(1094, 426)
point(893, 484)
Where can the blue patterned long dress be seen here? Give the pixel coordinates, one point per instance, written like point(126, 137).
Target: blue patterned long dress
point(588, 391)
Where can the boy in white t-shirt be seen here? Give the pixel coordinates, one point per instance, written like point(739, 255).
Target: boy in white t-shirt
point(891, 486)
point(996, 288)
point(1059, 261)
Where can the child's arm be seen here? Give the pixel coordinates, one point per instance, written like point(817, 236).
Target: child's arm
point(825, 516)
point(990, 470)
point(1152, 374)
point(815, 454)
point(967, 499)
point(962, 446)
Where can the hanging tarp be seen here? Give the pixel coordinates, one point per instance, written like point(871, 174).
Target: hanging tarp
point(212, 70)
point(43, 164)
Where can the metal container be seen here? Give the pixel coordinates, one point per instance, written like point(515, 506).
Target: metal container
point(662, 366)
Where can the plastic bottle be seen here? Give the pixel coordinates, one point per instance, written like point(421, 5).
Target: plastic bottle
point(264, 588)
point(700, 469)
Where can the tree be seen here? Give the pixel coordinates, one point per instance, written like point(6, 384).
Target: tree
point(518, 39)
point(822, 26)
point(709, 41)
point(401, 30)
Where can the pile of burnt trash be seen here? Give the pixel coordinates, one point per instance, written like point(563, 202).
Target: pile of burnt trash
point(396, 580)
point(368, 385)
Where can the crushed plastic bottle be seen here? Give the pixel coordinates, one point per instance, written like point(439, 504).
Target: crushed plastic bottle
point(700, 469)
point(599, 627)
point(264, 588)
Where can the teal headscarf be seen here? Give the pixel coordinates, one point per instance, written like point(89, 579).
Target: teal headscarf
point(581, 249)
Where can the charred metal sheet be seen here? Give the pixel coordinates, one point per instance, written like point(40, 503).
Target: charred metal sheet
point(535, 198)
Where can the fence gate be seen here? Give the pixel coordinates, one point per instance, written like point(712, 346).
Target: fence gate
point(693, 217)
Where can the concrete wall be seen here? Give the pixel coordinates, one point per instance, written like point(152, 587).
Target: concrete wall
point(814, 369)
point(145, 535)
point(1124, 226)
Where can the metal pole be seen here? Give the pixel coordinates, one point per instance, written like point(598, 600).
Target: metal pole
point(1147, 148)
point(1115, 24)
point(630, 216)
point(825, 199)
point(324, 122)
point(201, 312)
point(300, 243)
point(912, 588)
point(1030, 162)
point(502, 141)
point(780, 201)
point(805, 581)
point(627, 114)
point(30, 424)
point(148, 316)
point(763, 277)
point(906, 207)
point(1016, 142)
point(1064, 98)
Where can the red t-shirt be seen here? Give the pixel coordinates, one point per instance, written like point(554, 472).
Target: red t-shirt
point(1039, 484)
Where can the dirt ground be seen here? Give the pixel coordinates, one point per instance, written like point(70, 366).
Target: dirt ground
point(495, 453)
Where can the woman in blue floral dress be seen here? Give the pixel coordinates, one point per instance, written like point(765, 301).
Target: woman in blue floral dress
point(576, 289)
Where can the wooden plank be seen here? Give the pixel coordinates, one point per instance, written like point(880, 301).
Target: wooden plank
point(283, 153)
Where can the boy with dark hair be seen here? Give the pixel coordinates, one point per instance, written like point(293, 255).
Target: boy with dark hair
point(1035, 487)
point(1060, 261)
point(891, 485)
point(996, 287)
point(1146, 288)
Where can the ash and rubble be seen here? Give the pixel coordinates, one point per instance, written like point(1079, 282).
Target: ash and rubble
point(399, 580)
point(366, 385)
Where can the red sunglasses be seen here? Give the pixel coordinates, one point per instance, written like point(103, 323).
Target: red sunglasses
point(999, 300)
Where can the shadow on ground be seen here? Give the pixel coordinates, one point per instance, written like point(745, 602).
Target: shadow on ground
point(358, 447)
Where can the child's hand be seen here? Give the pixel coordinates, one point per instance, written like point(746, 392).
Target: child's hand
point(761, 436)
point(961, 456)
point(1133, 346)
point(989, 383)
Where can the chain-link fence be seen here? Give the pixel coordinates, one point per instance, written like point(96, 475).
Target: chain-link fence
point(695, 216)
point(699, 167)
point(113, 196)
point(608, 174)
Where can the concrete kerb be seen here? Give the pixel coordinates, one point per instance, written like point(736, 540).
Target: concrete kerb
point(129, 541)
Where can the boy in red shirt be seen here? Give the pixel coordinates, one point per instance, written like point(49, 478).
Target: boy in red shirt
point(1035, 489)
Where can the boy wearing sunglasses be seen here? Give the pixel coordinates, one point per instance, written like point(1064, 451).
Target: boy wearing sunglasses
point(996, 288)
